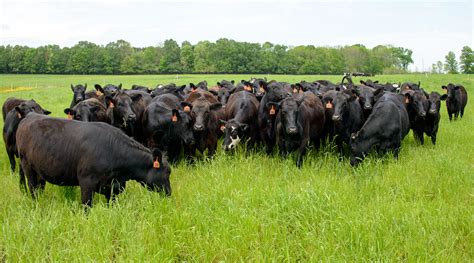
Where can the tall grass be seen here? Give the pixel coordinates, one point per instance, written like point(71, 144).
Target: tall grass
point(254, 207)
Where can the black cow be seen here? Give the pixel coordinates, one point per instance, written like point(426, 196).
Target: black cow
point(348, 117)
point(93, 155)
point(88, 110)
point(11, 102)
point(273, 92)
point(241, 113)
point(171, 89)
point(109, 89)
point(385, 128)
point(206, 112)
point(300, 121)
point(417, 105)
point(80, 94)
point(12, 120)
point(433, 116)
point(167, 127)
point(222, 92)
point(410, 86)
point(456, 100)
point(141, 88)
point(327, 100)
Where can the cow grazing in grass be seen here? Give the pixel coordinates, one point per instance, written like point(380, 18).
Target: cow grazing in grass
point(384, 130)
point(456, 100)
point(93, 155)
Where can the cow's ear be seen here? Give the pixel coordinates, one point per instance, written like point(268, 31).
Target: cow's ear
point(444, 87)
point(376, 82)
point(69, 111)
point(158, 158)
point(186, 106)
point(72, 88)
point(408, 98)
point(456, 87)
point(263, 85)
point(119, 86)
point(182, 88)
point(46, 112)
point(444, 97)
point(271, 104)
point(110, 102)
point(378, 93)
point(362, 82)
point(175, 116)
point(99, 88)
point(219, 84)
point(213, 92)
point(232, 81)
point(215, 106)
point(85, 86)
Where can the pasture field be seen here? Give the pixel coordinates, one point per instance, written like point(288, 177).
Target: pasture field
point(254, 207)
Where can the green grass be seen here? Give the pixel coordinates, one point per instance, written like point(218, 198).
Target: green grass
point(251, 207)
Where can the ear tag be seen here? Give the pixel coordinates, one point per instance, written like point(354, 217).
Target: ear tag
point(174, 118)
point(295, 90)
point(98, 93)
point(261, 90)
point(111, 104)
point(18, 115)
point(222, 128)
point(247, 88)
point(407, 100)
point(193, 89)
point(329, 105)
point(187, 109)
point(156, 164)
point(69, 116)
point(272, 110)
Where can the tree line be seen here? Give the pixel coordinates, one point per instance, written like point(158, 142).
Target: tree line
point(451, 66)
point(222, 56)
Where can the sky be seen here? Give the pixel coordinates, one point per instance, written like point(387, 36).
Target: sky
point(430, 28)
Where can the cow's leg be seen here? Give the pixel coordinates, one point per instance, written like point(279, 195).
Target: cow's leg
point(462, 112)
point(340, 147)
point(456, 114)
point(212, 146)
point(396, 150)
point(32, 179)
point(301, 153)
point(420, 137)
point(22, 179)
point(86, 194)
point(433, 138)
point(11, 157)
point(450, 116)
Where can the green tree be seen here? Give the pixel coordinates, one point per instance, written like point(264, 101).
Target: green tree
point(403, 56)
point(450, 64)
point(5, 53)
point(187, 57)
point(467, 60)
point(203, 57)
point(170, 62)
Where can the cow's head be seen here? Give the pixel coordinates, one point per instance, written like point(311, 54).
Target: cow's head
point(183, 126)
point(121, 107)
point(341, 104)
point(288, 110)
point(234, 133)
point(435, 102)
point(451, 90)
point(158, 176)
point(201, 112)
point(109, 89)
point(366, 98)
point(85, 111)
point(79, 93)
point(418, 101)
point(30, 106)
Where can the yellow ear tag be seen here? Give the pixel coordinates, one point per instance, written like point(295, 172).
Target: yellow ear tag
point(69, 116)
point(272, 110)
point(156, 164)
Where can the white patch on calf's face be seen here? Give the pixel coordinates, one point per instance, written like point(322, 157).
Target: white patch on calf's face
point(233, 128)
point(234, 142)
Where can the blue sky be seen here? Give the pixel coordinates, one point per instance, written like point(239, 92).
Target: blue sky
point(430, 29)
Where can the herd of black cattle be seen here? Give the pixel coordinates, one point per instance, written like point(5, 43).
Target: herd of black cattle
point(112, 135)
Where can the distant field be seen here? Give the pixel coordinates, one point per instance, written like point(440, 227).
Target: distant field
point(254, 207)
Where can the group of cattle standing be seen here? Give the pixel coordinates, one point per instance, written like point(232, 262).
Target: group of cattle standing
point(112, 135)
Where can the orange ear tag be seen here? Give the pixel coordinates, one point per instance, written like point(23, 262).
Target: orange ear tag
point(69, 116)
point(247, 88)
point(193, 89)
point(111, 104)
point(98, 93)
point(19, 115)
point(407, 100)
point(222, 128)
point(156, 164)
point(329, 105)
point(174, 118)
point(295, 91)
point(272, 110)
point(261, 90)
point(187, 108)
